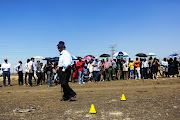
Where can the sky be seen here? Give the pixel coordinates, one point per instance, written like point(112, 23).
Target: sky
point(34, 27)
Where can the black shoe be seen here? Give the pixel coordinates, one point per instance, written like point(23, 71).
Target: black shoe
point(71, 98)
point(64, 99)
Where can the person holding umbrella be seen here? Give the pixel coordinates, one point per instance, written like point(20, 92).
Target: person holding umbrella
point(64, 73)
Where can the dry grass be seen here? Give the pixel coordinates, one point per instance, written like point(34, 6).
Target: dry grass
point(148, 99)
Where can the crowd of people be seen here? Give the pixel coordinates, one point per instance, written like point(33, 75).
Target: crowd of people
point(116, 69)
point(37, 70)
point(84, 71)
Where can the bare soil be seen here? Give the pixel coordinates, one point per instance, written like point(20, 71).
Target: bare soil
point(145, 100)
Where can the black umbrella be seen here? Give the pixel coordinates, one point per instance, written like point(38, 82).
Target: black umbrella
point(141, 55)
point(105, 55)
point(90, 56)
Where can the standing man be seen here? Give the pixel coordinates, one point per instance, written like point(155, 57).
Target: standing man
point(26, 71)
point(137, 68)
point(114, 67)
point(145, 67)
point(6, 72)
point(150, 61)
point(80, 66)
point(38, 72)
point(131, 66)
point(90, 69)
point(49, 72)
point(107, 66)
point(64, 73)
point(96, 64)
point(31, 71)
point(19, 69)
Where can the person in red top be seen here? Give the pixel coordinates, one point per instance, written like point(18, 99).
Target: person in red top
point(80, 67)
point(137, 68)
point(75, 72)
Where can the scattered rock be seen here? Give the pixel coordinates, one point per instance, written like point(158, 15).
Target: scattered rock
point(170, 83)
point(113, 100)
point(116, 113)
point(24, 109)
point(175, 107)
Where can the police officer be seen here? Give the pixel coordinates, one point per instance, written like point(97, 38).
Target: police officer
point(64, 73)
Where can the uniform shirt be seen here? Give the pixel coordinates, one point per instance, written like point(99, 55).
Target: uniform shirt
point(145, 64)
point(96, 68)
point(18, 67)
point(65, 59)
point(6, 67)
point(31, 64)
point(131, 65)
point(26, 66)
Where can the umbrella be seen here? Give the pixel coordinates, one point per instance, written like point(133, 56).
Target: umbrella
point(174, 55)
point(151, 54)
point(38, 57)
point(105, 55)
point(56, 58)
point(88, 57)
point(48, 58)
point(141, 55)
point(121, 53)
point(74, 57)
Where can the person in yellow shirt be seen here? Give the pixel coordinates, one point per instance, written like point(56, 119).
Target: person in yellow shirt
point(131, 66)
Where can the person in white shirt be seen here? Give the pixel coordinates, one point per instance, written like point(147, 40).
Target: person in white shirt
point(19, 69)
point(6, 72)
point(65, 61)
point(165, 67)
point(31, 71)
point(96, 71)
point(26, 71)
point(90, 69)
point(144, 67)
point(125, 69)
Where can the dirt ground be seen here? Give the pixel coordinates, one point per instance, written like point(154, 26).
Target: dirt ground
point(145, 100)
